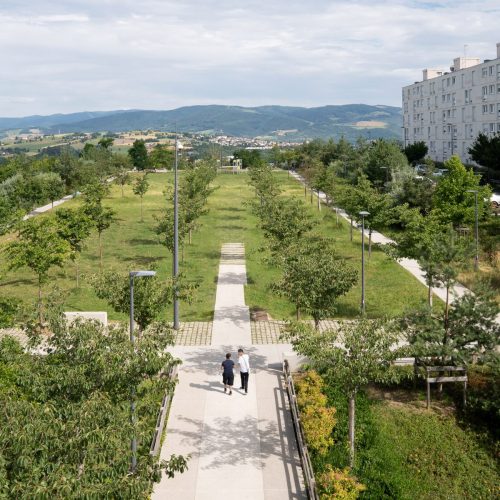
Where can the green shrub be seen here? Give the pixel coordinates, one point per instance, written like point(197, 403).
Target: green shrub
point(8, 312)
point(317, 419)
point(338, 484)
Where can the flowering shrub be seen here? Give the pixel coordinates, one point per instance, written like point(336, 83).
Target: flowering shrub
point(338, 484)
point(317, 419)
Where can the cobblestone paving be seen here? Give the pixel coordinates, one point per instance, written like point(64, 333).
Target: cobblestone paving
point(194, 333)
point(268, 332)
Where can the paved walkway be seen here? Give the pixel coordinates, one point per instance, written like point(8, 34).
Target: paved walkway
point(411, 265)
point(49, 206)
point(241, 446)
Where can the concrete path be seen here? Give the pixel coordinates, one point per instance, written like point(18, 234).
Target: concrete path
point(411, 265)
point(240, 445)
point(49, 206)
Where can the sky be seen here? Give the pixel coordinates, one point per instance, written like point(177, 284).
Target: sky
point(85, 55)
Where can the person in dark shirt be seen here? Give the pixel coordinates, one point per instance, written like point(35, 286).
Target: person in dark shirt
point(227, 373)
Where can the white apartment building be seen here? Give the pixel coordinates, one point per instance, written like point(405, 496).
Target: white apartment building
point(448, 109)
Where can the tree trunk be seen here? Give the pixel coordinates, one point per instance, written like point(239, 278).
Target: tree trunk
point(52, 203)
point(122, 190)
point(40, 311)
point(312, 192)
point(319, 202)
point(351, 228)
point(352, 420)
point(429, 293)
point(337, 216)
point(297, 313)
point(369, 243)
point(142, 220)
point(305, 191)
point(77, 275)
point(100, 251)
point(190, 235)
point(316, 324)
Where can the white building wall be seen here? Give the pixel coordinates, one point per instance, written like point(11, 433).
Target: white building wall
point(449, 111)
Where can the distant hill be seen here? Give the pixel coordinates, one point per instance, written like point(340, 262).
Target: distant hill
point(282, 122)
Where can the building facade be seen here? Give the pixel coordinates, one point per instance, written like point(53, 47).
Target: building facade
point(448, 109)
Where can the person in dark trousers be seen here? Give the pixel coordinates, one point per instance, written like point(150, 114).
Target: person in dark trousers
point(244, 362)
point(227, 373)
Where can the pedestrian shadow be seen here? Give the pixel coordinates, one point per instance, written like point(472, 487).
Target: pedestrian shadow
point(209, 359)
point(209, 386)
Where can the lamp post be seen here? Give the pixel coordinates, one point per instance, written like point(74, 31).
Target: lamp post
point(133, 444)
point(363, 215)
point(476, 229)
point(176, 236)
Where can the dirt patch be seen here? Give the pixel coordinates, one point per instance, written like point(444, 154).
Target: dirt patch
point(413, 400)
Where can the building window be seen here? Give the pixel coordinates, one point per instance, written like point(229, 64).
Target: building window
point(491, 70)
point(485, 72)
point(485, 90)
point(492, 89)
point(485, 108)
point(492, 108)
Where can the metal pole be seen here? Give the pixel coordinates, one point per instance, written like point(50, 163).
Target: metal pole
point(176, 237)
point(362, 264)
point(476, 259)
point(133, 444)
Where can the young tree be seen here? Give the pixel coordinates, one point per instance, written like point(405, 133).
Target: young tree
point(151, 295)
point(314, 278)
point(486, 151)
point(353, 354)
point(416, 151)
point(39, 247)
point(468, 333)
point(452, 201)
point(162, 157)
point(379, 206)
point(53, 187)
point(101, 217)
point(139, 154)
point(74, 226)
point(285, 221)
point(141, 187)
point(384, 157)
point(122, 178)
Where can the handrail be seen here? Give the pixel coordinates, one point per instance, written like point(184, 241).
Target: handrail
point(162, 415)
point(309, 478)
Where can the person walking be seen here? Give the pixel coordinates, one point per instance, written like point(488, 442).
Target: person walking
point(227, 373)
point(244, 362)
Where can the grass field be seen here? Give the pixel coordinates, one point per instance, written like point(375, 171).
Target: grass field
point(131, 244)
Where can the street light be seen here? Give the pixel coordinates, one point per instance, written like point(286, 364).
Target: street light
point(133, 444)
point(363, 215)
point(176, 237)
point(476, 229)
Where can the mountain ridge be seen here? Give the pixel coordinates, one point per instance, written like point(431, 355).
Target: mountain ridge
point(287, 122)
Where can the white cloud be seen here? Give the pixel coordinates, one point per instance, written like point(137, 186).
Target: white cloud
point(160, 53)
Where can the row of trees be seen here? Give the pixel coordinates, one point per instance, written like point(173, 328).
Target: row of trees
point(194, 190)
point(313, 275)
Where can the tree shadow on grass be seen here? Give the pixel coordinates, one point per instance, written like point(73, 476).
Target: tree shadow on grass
point(142, 241)
point(141, 260)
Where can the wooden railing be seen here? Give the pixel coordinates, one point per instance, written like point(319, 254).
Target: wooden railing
point(309, 478)
point(162, 414)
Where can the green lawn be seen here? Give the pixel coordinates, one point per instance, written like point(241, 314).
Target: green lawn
point(132, 244)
